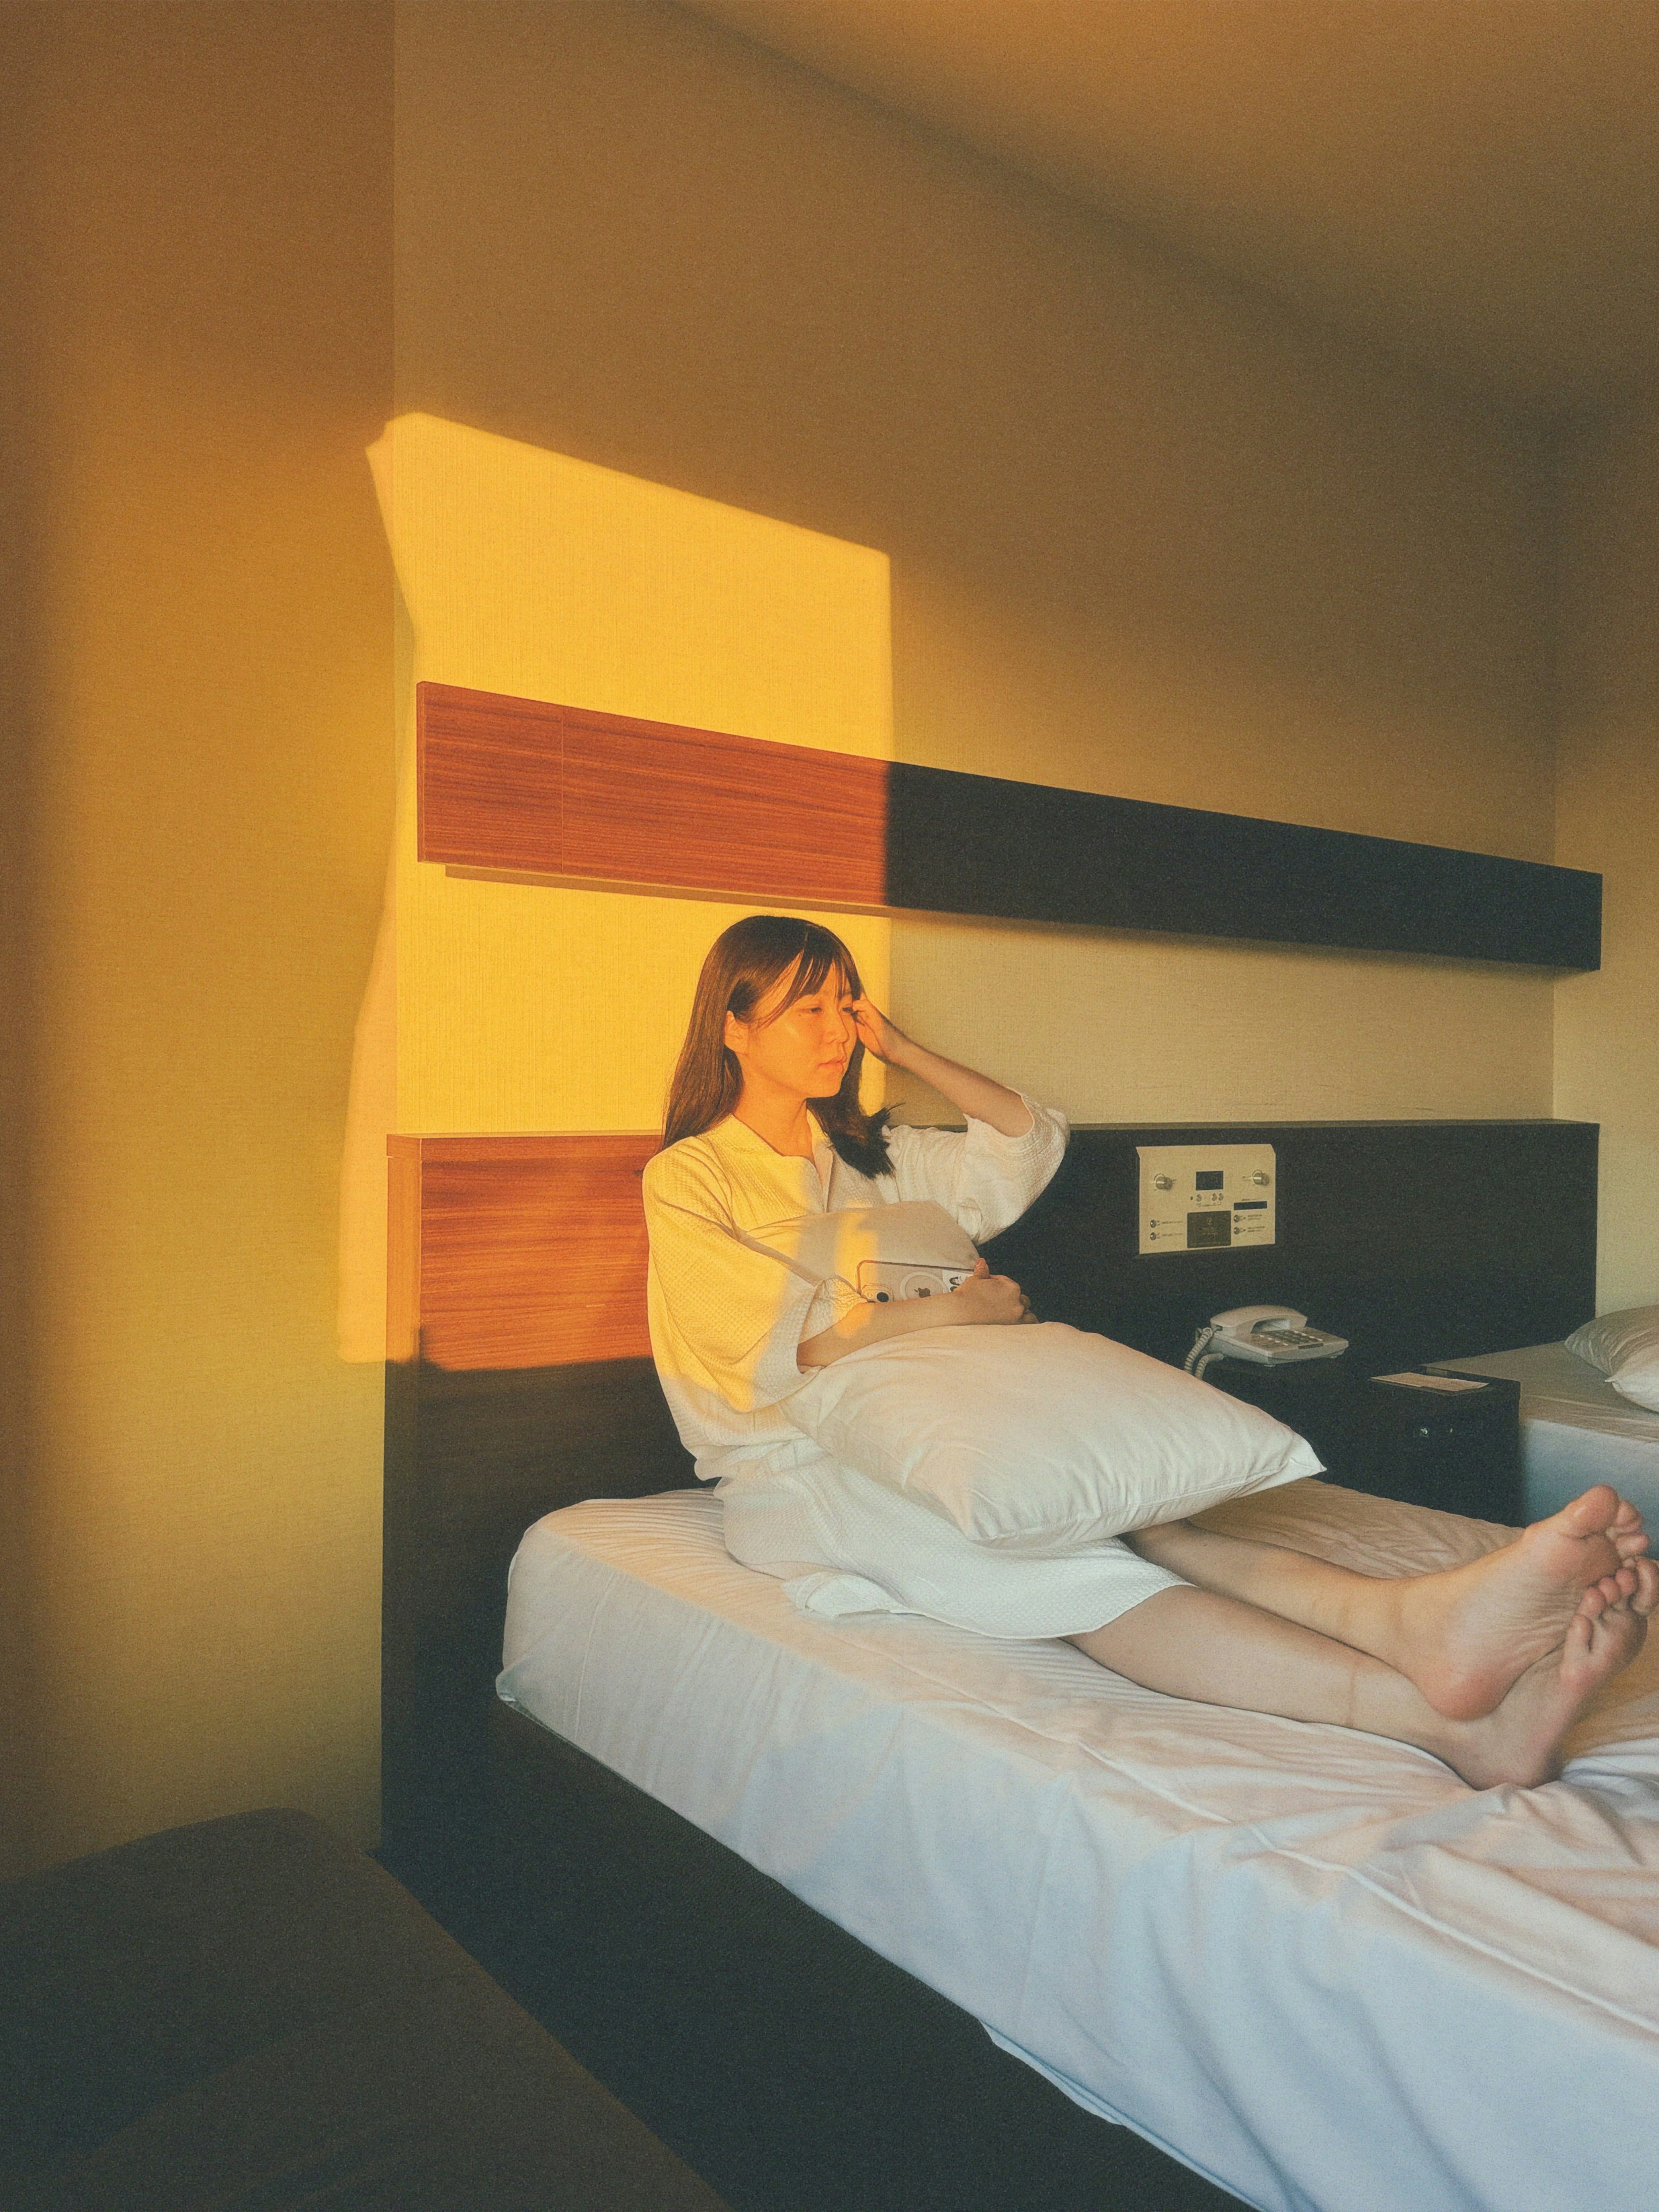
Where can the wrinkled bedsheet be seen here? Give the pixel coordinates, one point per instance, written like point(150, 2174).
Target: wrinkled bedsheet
point(1313, 1963)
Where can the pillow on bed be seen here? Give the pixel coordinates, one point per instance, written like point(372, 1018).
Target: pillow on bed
point(1038, 1437)
point(1625, 1347)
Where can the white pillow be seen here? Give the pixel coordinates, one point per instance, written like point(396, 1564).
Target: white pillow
point(1039, 1437)
point(1625, 1347)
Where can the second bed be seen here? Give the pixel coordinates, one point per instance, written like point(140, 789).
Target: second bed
point(1576, 1429)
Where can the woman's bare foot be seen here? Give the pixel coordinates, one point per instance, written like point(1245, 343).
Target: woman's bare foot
point(1466, 1636)
point(1521, 1742)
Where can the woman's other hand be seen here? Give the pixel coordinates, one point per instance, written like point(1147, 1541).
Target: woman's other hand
point(986, 1299)
point(983, 1299)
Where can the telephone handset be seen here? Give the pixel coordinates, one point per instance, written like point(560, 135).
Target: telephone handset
point(1272, 1336)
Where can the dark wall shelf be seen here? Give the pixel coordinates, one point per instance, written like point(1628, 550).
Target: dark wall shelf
point(529, 789)
point(1026, 852)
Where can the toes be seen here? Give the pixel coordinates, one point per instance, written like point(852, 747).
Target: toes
point(1616, 1591)
point(1595, 1513)
point(1645, 1596)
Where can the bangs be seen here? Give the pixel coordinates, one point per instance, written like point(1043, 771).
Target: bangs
point(821, 956)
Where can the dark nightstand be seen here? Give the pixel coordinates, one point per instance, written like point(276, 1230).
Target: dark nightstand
point(1459, 1451)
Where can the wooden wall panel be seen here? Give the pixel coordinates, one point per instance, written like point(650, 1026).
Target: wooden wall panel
point(522, 1252)
point(513, 785)
point(487, 780)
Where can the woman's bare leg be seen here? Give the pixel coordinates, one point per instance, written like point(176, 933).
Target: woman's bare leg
point(1465, 1636)
point(1194, 1644)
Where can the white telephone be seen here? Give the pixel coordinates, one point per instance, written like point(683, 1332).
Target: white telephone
point(1271, 1335)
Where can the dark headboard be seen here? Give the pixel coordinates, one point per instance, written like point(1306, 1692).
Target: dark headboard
point(1415, 1240)
point(521, 1378)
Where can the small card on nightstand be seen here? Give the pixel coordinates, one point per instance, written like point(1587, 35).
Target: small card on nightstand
point(1432, 1382)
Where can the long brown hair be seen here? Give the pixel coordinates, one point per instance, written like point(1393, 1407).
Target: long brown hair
point(744, 963)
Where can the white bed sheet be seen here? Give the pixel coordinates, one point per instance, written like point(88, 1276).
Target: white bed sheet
point(1575, 1429)
point(1312, 1964)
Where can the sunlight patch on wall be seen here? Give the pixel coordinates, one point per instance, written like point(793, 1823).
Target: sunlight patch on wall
point(503, 1006)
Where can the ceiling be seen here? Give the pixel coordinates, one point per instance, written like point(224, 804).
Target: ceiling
point(1471, 184)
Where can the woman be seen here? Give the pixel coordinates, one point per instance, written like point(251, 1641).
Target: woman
point(1485, 1665)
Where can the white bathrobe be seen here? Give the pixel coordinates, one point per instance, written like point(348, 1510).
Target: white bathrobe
point(727, 1319)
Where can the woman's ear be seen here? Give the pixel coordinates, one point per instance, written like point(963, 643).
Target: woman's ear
point(737, 1035)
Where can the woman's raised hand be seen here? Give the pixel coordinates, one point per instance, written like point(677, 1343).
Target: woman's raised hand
point(976, 1095)
point(876, 1033)
point(985, 1299)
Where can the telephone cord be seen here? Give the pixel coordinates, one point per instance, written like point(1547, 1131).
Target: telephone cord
point(1196, 1366)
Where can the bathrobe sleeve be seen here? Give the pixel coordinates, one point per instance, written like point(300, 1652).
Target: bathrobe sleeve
point(985, 1180)
point(727, 1315)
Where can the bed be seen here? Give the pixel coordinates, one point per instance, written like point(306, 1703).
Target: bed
point(1125, 1887)
point(1576, 1429)
point(1308, 1970)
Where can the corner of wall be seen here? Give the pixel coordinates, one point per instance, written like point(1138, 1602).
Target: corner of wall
point(1606, 1036)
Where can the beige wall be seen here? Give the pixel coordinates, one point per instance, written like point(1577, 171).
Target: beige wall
point(205, 677)
point(1607, 1025)
point(1147, 535)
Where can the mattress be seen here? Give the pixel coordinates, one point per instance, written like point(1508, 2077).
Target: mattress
point(1312, 1964)
point(1575, 1429)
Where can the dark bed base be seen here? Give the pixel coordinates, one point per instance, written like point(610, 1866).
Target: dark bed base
point(791, 2066)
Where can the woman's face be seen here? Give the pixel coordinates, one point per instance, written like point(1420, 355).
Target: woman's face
point(802, 1050)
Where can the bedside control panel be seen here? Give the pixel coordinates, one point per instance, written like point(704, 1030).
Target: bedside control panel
point(1206, 1198)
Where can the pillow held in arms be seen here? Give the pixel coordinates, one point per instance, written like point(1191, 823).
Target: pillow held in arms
point(1039, 1436)
point(1625, 1347)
